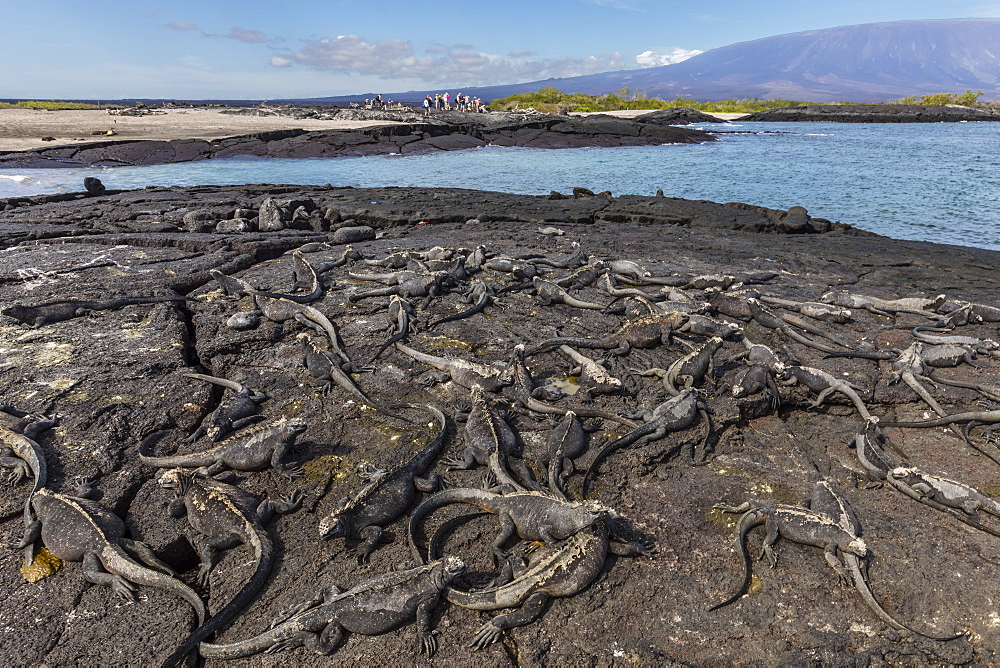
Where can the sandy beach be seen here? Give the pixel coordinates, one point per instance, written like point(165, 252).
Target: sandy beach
point(23, 129)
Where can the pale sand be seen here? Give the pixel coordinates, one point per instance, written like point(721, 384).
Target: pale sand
point(23, 129)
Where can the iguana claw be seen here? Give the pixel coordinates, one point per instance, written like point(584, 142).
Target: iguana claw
point(488, 634)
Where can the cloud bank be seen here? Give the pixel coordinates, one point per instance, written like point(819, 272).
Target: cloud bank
point(460, 63)
point(655, 58)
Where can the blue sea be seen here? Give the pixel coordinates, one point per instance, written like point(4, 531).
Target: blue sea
point(930, 182)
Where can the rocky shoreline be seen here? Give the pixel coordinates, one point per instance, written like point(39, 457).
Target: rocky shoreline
point(409, 133)
point(875, 113)
point(116, 377)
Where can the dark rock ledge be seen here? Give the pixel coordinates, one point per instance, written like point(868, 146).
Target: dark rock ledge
point(116, 377)
point(876, 113)
point(444, 132)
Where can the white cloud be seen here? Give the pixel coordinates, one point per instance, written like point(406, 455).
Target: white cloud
point(456, 64)
point(248, 36)
point(657, 58)
point(182, 25)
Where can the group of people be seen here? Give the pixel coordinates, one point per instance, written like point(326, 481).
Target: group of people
point(443, 101)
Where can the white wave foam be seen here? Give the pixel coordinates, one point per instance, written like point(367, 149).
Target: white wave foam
point(18, 178)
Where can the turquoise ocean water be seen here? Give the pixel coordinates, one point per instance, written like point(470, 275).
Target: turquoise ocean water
point(931, 182)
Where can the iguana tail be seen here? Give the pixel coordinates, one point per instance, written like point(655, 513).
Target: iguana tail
point(626, 440)
point(249, 647)
point(750, 519)
point(224, 382)
point(115, 560)
point(861, 584)
point(265, 556)
point(475, 497)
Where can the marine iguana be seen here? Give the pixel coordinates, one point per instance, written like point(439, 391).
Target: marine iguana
point(533, 516)
point(675, 414)
point(766, 318)
point(66, 309)
point(550, 293)
point(823, 384)
point(226, 516)
point(576, 258)
point(463, 372)
point(280, 309)
point(584, 276)
point(885, 307)
point(386, 497)
point(377, 605)
point(488, 441)
point(949, 493)
point(552, 571)
point(753, 379)
point(843, 548)
point(525, 394)
point(402, 319)
point(909, 368)
point(646, 332)
point(76, 528)
point(565, 442)
point(481, 292)
point(688, 369)
point(21, 453)
point(427, 286)
point(234, 413)
point(252, 450)
point(326, 368)
point(593, 377)
point(982, 346)
point(815, 310)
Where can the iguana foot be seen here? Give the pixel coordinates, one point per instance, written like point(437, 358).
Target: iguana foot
point(488, 634)
point(123, 588)
point(428, 643)
point(291, 642)
point(292, 472)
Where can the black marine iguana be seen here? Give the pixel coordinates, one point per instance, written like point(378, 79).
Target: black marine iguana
point(534, 516)
point(375, 606)
point(553, 571)
point(675, 414)
point(234, 413)
point(66, 309)
point(837, 536)
point(386, 497)
point(689, 369)
point(644, 332)
point(21, 453)
point(253, 450)
point(402, 318)
point(227, 516)
point(75, 528)
point(462, 372)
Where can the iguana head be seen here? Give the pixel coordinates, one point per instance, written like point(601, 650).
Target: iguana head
point(177, 480)
point(451, 568)
point(337, 522)
point(902, 473)
point(17, 312)
point(858, 548)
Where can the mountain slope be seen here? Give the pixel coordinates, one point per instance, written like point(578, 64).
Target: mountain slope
point(872, 62)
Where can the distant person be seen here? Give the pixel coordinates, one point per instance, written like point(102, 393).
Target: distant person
point(377, 102)
point(447, 101)
point(427, 105)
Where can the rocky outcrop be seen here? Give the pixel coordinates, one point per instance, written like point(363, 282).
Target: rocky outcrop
point(876, 113)
point(116, 377)
point(442, 132)
point(678, 116)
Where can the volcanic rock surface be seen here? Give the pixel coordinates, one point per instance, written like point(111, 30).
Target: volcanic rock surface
point(445, 131)
point(876, 113)
point(115, 377)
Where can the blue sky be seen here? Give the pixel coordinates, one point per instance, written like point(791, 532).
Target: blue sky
point(252, 49)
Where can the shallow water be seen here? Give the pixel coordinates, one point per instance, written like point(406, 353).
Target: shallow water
point(931, 182)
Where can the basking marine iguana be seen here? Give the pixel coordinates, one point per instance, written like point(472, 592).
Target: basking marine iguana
point(226, 516)
point(253, 450)
point(838, 536)
point(481, 293)
point(386, 497)
point(675, 414)
point(236, 412)
point(75, 528)
point(402, 318)
point(66, 309)
point(822, 383)
point(688, 369)
point(21, 453)
point(552, 571)
point(377, 605)
point(534, 516)
point(645, 332)
point(462, 372)
point(489, 441)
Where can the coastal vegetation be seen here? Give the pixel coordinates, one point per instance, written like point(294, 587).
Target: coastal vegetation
point(552, 100)
point(51, 105)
